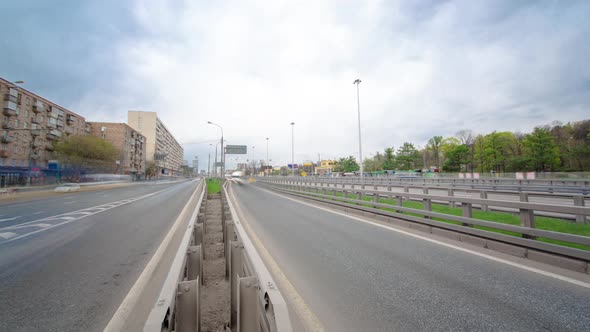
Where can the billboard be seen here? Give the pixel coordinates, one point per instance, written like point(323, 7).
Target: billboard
point(236, 149)
point(291, 166)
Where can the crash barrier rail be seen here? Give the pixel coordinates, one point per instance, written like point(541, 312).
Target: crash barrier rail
point(178, 305)
point(256, 302)
point(524, 196)
point(553, 185)
point(527, 228)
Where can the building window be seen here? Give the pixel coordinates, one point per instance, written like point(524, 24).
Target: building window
point(15, 148)
point(1, 161)
point(104, 136)
point(27, 113)
point(25, 125)
point(27, 101)
point(16, 123)
point(13, 162)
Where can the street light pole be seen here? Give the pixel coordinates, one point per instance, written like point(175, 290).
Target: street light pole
point(209, 162)
point(358, 102)
point(267, 155)
point(293, 148)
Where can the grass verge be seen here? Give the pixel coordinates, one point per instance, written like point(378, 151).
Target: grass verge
point(545, 223)
point(213, 186)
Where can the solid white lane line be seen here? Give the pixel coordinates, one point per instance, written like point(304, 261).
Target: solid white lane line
point(38, 212)
point(496, 259)
point(9, 219)
point(7, 235)
point(70, 202)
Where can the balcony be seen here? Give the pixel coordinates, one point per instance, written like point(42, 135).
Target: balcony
point(35, 156)
point(38, 107)
point(38, 144)
point(49, 147)
point(35, 132)
point(51, 125)
point(7, 125)
point(7, 139)
point(4, 153)
point(9, 97)
point(51, 136)
point(36, 120)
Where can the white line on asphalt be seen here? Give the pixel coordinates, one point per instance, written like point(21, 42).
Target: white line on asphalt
point(496, 259)
point(7, 235)
point(70, 202)
point(38, 212)
point(9, 219)
point(69, 220)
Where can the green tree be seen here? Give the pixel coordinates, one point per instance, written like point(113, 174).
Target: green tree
point(457, 158)
point(346, 165)
point(151, 169)
point(389, 159)
point(85, 153)
point(434, 146)
point(408, 157)
point(542, 151)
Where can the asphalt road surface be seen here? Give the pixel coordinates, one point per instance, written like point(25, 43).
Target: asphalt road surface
point(359, 277)
point(67, 262)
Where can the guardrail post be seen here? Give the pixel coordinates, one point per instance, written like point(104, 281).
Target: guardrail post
point(375, 199)
point(188, 310)
point(579, 201)
point(388, 187)
point(229, 237)
point(451, 193)
point(407, 190)
point(427, 203)
point(483, 195)
point(194, 263)
point(352, 185)
point(236, 264)
point(197, 234)
point(248, 317)
point(527, 216)
point(467, 210)
point(359, 196)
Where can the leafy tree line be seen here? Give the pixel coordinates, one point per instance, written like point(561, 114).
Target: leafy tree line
point(556, 147)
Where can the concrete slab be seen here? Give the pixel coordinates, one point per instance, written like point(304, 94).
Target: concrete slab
point(506, 248)
point(555, 260)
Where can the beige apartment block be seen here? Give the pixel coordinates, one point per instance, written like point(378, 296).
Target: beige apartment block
point(130, 143)
point(29, 126)
point(161, 146)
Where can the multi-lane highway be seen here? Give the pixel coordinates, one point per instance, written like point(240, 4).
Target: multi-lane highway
point(357, 276)
point(67, 262)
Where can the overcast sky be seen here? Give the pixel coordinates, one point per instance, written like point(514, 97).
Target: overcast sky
point(427, 67)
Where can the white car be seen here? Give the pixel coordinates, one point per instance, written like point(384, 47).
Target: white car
point(67, 187)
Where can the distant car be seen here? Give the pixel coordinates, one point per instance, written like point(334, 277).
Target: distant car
point(67, 187)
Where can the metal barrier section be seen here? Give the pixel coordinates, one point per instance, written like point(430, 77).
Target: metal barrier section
point(340, 197)
point(177, 307)
point(256, 302)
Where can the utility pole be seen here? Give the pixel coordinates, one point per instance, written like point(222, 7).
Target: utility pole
point(358, 103)
point(293, 148)
point(209, 162)
point(267, 156)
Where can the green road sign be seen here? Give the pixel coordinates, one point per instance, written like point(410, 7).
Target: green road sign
point(236, 149)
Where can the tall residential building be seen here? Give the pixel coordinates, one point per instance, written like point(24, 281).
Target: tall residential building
point(130, 142)
point(30, 124)
point(161, 146)
point(196, 165)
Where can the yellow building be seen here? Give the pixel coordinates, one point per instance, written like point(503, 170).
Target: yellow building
point(326, 167)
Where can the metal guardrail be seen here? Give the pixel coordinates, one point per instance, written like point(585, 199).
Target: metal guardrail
point(508, 185)
point(178, 306)
point(256, 302)
point(525, 196)
point(549, 185)
point(526, 211)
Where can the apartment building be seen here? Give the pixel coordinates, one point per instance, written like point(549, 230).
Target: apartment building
point(325, 167)
point(130, 143)
point(29, 126)
point(161, 146)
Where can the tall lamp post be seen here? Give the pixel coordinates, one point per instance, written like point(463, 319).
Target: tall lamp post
point(267, 156)
point(293, 148)
point(209, 161)
point(222, 151)
point(358, 103)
